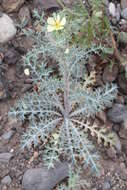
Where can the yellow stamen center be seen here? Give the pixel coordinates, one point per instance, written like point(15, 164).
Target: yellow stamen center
point(57, 24)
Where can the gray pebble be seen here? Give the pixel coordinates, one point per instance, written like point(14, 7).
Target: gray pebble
point(117, 144)
point(118, 11)
point(122, 80)
point(118, 113)
point(44, 179)
point(106, 185)
point(1, 14)
point(6, 180)
point(124, 13)
point(8, 135)
point(111, 152)
point(7, 28)
point(5, 157)
point(123, 4)
point(122, 22)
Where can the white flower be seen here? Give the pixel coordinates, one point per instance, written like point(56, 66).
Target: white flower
point(27, 72)
point(67, 51)
point(112, 9)
point(55, 23)
point(56, 137)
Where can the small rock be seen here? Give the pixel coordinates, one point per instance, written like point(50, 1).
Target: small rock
point(123, 4)
point(124, 146)
point(8, 135)
point(123, 25)
point(51, 4)
point(6, 180)
point(4, 187)
point(44, 179)
point(23, 44)
point(11, 56)
point(122, 22)
point(123, 133)
point(118, 11)
point(111, 152)
point(102, 116)
point(4, 171)
point(122, 171)
point(122, 82)
point(106, 185)
point(69, 3)
point(12, 5)
point(124, 13)
point(110, 74)
point(7, 29)
point(41, 5)
point(112, 9)
point(124, 125)
point(118, 113)
point(120, 99)
point(114, 21)
point(117, 15)
point(117, 144)
point(24, 15)
point(116, 127)
point(5, 157)
point(123, 37)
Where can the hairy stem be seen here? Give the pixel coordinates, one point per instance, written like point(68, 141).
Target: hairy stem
point(66, 90)
point(81, 3)
point(60, 3)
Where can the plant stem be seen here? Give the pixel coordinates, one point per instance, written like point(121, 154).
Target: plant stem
point(81, 3)
point(60, 3)
point(66, 90)
point(84, 6)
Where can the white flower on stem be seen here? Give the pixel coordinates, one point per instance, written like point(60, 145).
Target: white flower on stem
point(55, 23)
point(27, 72)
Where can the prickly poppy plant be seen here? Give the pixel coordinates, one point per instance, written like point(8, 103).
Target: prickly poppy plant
point(58, 111)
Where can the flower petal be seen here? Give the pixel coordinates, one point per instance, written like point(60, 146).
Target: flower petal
point(59, 28)
point(66, 51)
point(50, 28)
point(51, 21)
point(63, 21)
point(58, 18)
point(27, 72)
